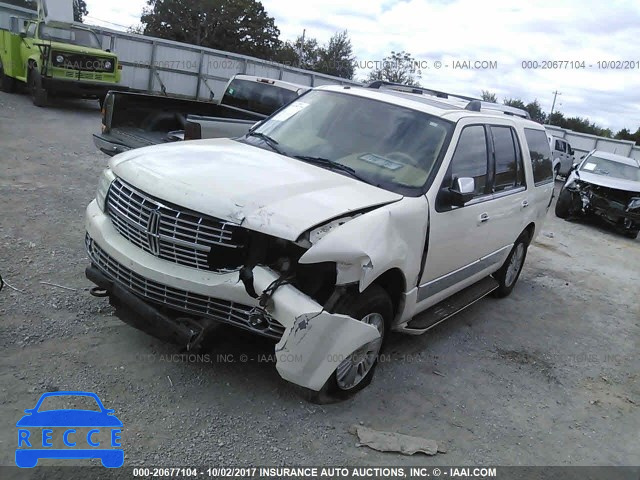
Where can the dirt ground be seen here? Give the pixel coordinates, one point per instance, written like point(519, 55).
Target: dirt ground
point(548, 376)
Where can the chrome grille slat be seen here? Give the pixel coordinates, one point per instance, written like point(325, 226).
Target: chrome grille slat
point(185, 301)
point(179, 236)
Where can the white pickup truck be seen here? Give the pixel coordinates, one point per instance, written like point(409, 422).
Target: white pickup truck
point(350, 213)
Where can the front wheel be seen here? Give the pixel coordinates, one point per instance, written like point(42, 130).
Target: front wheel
point(38, 94)
point(508, 275)
point(564, 205)
point(374, 307)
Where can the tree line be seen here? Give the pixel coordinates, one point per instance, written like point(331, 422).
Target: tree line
point(558, 119)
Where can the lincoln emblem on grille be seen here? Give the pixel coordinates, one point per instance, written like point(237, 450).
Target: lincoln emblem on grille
point(153, 232)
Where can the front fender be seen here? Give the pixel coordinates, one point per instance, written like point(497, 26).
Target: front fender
point(364, 248)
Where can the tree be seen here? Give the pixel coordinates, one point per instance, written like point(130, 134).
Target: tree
point(487, 96)
point(336, 58)
point(624, 134)
point(399, 67)
point(301, 54)
point(536, 112)
point(80, 10)
point(240, 26)
point(515, 103)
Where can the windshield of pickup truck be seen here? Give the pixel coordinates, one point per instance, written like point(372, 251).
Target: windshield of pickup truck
point(74, 36)
point(257, 96)
point(609, 168)
point(381, 143)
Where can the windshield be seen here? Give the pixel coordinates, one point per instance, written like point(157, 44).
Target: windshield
point(384, 144)
point(72, 35)
point(76, 402)
point(257, 96)
point(610, 168)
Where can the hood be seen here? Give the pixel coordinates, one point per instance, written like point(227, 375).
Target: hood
point(77, 49)
point(246, 185)
point(609, 182)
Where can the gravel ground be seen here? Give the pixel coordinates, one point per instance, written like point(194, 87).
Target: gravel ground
point(548, 376)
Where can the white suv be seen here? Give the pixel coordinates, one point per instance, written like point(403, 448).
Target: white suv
point(347, 214)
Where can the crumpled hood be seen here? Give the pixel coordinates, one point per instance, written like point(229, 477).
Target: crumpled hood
point(609, 182)
point(246, 185)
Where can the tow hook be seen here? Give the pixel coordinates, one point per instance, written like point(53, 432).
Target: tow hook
point(99, 292)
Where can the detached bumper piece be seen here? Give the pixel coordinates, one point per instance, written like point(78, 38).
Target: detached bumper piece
point(134, 298)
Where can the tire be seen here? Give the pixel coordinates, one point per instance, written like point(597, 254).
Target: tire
point(556, 171)
point(509, 273)
point(373, 305)
point(564, 204)
point(101, 102)
point(7, 84)
point(39, 95)
point(632, 234)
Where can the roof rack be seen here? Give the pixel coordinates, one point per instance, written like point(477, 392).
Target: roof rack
point(474, 105)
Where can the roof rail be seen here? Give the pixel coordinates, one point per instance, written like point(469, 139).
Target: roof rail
point(419, 90)
point(480, 106)
point(474, 105)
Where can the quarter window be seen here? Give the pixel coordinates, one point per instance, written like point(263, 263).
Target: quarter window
point(560, 146)
point(470, 158)
point(540, 156)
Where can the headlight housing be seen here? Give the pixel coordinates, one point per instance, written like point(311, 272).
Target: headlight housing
point(106, 178)
point(108, 65)
point(314, 236)
point(59, 59)
point(634, 203)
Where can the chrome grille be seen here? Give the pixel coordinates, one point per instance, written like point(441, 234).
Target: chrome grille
point(174, 234)
point(193, 303)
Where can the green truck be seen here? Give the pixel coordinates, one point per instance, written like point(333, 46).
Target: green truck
point(56, 60)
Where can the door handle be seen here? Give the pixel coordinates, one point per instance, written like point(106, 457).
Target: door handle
point(484, 218)
point(525, 203)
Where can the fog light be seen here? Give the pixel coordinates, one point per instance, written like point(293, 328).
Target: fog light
point(257, 318)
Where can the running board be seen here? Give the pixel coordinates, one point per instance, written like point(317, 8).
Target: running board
point(450, 306)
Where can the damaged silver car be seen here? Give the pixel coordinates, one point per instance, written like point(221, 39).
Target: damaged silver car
point(350, 213)
point(607, 186)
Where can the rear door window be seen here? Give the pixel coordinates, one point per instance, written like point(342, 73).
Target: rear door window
point(508, 161)
point(540, 156)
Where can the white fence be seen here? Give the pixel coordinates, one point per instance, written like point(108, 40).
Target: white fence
point(179, 69)
point(583, 143)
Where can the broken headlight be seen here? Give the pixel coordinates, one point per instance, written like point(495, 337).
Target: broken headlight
point(634, 203)
point(314, 236)
point(106, 178)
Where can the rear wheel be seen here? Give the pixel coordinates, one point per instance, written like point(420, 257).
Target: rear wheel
point(509, 273)
point(374, 307)
point(632, 234)
point(38, 94)
point(7, 84)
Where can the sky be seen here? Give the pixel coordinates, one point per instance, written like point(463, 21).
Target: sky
point(505, 32)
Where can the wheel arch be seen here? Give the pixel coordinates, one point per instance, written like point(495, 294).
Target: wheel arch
point(394, 283)
point(530, 230)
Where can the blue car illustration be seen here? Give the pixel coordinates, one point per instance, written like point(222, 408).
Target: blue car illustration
point(32, 446)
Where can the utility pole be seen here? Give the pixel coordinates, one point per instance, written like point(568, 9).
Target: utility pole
point(555, 95)
point(301, 51)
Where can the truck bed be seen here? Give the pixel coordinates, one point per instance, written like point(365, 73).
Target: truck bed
point(135, 120)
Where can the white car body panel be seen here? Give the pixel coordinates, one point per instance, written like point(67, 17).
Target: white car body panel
point(249, 186)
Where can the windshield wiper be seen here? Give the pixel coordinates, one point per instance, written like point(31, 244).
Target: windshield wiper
point(273, 144)
point(331, 165)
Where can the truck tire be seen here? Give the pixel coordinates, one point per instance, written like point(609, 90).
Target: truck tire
point(7, 84)
point(564, 204)
point(39, 95)
point(373, 306)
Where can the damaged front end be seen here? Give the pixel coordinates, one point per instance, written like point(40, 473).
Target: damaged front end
point(618, 208)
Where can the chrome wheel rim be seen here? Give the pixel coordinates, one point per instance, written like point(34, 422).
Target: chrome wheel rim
point(517, 259)
point(353, 369)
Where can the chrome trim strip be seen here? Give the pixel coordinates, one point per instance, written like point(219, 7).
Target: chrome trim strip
point(450, 279)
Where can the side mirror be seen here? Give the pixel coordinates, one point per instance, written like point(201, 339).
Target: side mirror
point(463, 191)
